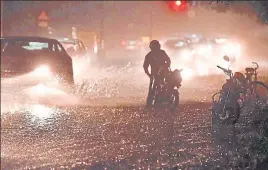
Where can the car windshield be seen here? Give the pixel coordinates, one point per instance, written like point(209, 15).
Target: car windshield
point(18, 47)
point(176, 43)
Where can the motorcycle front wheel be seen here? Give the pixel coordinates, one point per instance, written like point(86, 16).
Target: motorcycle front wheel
point(174, 103)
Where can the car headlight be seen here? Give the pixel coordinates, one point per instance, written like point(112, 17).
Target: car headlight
point(205, 50)
point(232, 49)
point(186, 55)
point(186, 73)
point(42, 70)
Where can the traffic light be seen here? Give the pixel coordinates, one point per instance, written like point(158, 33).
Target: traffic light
point(178, 5)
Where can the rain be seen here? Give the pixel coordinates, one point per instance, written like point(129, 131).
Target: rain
point(101, 121)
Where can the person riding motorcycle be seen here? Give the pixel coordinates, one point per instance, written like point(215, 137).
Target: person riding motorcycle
point(157, 59)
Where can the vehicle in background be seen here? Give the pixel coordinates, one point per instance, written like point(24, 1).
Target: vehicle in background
point(127, 50)
point(45, 58)
point(198, 53)
point(226, 46)
point(74, 47)
point(178, 48)
point(132, 46)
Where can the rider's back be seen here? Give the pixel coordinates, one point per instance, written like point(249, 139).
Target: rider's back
point(156, 59)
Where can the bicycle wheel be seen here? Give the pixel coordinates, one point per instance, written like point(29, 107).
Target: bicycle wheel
point(260, 91)
point(216, 99)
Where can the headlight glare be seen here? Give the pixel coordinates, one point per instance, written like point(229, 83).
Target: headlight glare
point(42, 70)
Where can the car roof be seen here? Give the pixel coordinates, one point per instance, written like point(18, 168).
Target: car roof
point(30, 38)
point(175, 39)
point(69, 40)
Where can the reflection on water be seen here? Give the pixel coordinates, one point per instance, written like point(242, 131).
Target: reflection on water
point(40, 112)
point(42, 90)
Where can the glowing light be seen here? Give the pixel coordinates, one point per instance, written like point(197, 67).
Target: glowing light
point(42, 71)
point(226, 65)
point(178, 3)
point(205, 50)
point(220, 40)
point(232, 49)
point(40, 112)
point(201, 68)
point(42, 90)
point(130, 47)
point(186, 55)
point(186, 73)
point(95, 49)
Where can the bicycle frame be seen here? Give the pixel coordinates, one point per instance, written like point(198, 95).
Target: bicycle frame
point(250, 86)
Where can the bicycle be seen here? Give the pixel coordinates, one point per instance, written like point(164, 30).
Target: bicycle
point(251, 86)
point(228, 107)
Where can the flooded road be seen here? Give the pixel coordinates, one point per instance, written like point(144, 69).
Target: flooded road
point(99, 137)
point(103, 124)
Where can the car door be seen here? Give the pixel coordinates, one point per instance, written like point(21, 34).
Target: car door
point(12, 60)
point(61, 60)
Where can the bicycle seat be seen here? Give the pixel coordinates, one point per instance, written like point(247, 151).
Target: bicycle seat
point(250, 70)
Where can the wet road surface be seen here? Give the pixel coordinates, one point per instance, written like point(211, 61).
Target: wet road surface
point(119, 135)
point(99, 137)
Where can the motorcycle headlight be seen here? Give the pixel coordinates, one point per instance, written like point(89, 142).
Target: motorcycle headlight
point(42, 70)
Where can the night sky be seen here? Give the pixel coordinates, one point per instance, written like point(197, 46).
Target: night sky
point(130, 17)
point(124, 16)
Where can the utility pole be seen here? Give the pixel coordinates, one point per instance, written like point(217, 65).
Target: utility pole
point(101, 49)
point(102, 25)
point(2, 17)
point(151, 25)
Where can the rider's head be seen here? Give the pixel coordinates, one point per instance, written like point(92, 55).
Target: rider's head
point(155, 45)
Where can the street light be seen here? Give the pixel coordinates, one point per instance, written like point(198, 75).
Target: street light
point(2, 15)
point(151, 26)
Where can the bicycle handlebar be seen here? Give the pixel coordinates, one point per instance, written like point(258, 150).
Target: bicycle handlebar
point(257, 65)
point(225, 70)
point(228, 72)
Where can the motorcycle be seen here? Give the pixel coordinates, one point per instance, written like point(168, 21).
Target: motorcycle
point(166, 91)
point(227, 108)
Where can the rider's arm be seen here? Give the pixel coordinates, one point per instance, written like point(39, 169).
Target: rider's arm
point(167, 59)
point(146, 65)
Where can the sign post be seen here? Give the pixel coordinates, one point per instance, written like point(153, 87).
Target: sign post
point(43, 20)
point(74, 32)
point(2, 17)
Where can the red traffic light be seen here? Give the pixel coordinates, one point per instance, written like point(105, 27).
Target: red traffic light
point(178, 5)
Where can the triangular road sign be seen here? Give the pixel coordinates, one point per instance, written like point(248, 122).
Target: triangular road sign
point(43, 16)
